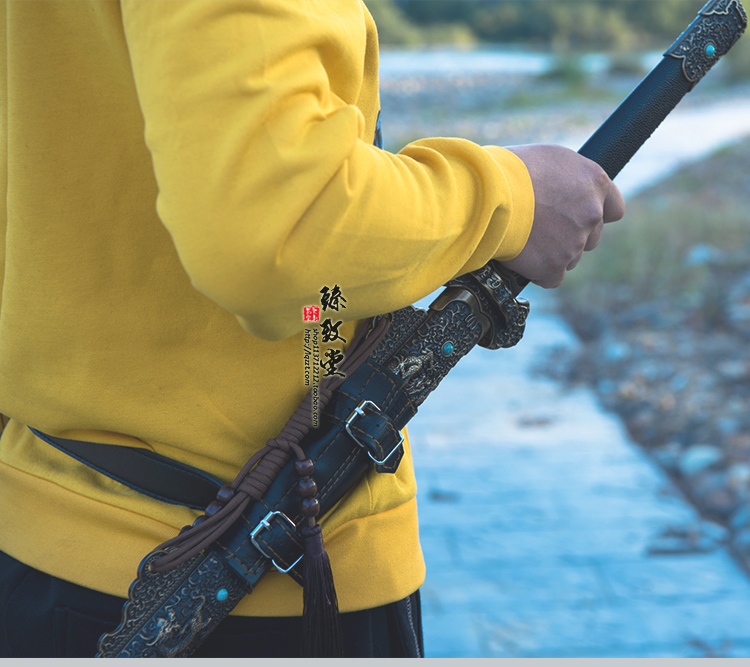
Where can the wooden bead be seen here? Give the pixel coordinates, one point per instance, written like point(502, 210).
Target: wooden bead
point(309, 507)
point(225, 494)
point(306, 487)
point(214, 508)
point(304, 468)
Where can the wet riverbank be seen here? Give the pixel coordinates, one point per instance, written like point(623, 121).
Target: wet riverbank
point(556, 515)
point(673, 362)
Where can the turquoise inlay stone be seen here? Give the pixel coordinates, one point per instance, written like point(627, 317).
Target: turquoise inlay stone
point(448, 349)
point(222, 595)
point(710, 50)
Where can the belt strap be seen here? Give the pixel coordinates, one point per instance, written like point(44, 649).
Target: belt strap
point(147, 472)
point(352, 436)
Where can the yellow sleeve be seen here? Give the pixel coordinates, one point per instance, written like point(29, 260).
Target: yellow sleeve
point(270, 188)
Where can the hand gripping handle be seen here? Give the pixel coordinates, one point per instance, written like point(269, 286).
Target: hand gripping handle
point(716, 29)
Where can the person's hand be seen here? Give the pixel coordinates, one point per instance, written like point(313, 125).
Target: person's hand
point(574, 197)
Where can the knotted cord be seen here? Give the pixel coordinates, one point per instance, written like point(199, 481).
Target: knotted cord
point(262, 468)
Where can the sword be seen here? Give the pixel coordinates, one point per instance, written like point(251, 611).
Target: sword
point(170, 614)
point(718, 26)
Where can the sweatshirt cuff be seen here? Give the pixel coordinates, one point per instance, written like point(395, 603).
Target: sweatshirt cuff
point(519, 218)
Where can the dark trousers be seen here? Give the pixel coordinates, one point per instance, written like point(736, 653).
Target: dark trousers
point(45, 617)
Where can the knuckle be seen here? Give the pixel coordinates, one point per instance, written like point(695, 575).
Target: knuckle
point(600, 177)
point(593, 215)
point(616, 211)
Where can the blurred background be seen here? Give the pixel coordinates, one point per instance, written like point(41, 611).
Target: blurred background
point(588, 493)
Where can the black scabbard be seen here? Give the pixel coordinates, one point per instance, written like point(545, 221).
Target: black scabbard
point(171, 614)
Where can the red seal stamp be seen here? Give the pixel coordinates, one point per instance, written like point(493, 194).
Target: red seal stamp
point(311, 313)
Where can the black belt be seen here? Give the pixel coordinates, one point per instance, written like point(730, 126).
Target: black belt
point(152, 474)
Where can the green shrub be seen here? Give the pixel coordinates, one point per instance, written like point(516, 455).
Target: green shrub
point(394, 28)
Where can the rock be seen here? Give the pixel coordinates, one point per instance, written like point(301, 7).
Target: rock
point(667, 402)
point(712, 493)
point(740, 546)
point(711, 530)
point(738, 447)
point(732, 369)
point(668, 455)
point(700, 537)
point(649, 314)
point(703, 254)
point(738, 305)
point(678, 382)
point(739, 478)
point(589, 325)
point(616, 351)
point(629, 391)
point(606, 387)
point(740, 519)
point(676, 371)
point(728, 425)
point(697, 458)
point(439, 496)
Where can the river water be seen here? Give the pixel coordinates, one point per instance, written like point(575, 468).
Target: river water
point(496, 95)
point(491, 60)
point(474, 95)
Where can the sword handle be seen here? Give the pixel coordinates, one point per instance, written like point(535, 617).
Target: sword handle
point(716, 29)
point(718, 26)
point(169, 615)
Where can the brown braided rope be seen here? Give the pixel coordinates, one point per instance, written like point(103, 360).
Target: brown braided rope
point(263, 467)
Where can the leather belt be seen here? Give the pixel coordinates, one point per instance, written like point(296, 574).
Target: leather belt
point(355, 432)
point(145, 471)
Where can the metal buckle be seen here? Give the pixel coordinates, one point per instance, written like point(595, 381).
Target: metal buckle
point(265, 525)
point(359, 412)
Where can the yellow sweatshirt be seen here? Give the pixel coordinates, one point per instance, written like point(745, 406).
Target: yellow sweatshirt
point(181, 179)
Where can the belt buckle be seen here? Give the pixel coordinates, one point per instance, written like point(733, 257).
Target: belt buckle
point(266, 525)
point(359, 412)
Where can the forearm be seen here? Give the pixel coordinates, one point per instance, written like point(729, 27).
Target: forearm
point(270, 186)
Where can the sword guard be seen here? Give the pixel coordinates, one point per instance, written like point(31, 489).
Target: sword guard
point(495, 290)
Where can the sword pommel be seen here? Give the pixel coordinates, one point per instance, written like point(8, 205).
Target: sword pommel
point(714, 31)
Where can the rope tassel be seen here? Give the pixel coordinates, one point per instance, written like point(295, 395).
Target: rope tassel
point(321, 629)
point(261, 469)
